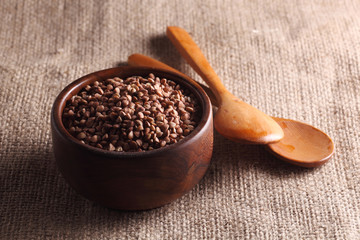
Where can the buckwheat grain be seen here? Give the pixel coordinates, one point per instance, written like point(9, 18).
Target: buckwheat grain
point(135, 114)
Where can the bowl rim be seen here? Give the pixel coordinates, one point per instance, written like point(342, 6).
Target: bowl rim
point(75, 86)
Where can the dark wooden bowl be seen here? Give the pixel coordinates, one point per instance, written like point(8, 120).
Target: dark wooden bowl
point(133, 180)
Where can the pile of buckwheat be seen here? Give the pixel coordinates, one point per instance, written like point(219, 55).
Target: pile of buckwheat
point(135, 114)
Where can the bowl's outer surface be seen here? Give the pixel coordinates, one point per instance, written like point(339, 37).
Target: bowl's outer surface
point(133, 181)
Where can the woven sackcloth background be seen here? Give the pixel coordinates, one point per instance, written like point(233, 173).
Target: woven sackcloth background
point(294, 59)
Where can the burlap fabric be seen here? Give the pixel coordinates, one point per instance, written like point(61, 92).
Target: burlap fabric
point(295, 59)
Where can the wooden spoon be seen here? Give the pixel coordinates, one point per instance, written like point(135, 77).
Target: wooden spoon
point(302, 145)
point(234, 119)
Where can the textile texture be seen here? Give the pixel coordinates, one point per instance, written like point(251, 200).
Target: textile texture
point(291, 59)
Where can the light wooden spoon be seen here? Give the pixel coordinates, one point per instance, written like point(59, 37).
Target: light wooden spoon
point(302, 145)
point(234, 119)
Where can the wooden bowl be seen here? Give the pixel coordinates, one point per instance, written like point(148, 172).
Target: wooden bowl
point(133, 180)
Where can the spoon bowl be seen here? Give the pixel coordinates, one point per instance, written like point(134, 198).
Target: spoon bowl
point(233, 114)
point(302, 145)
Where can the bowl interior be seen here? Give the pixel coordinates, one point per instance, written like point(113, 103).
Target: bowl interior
point(124, 72)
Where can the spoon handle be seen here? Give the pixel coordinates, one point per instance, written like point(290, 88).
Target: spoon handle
point(137, 59)
point(193, 55)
